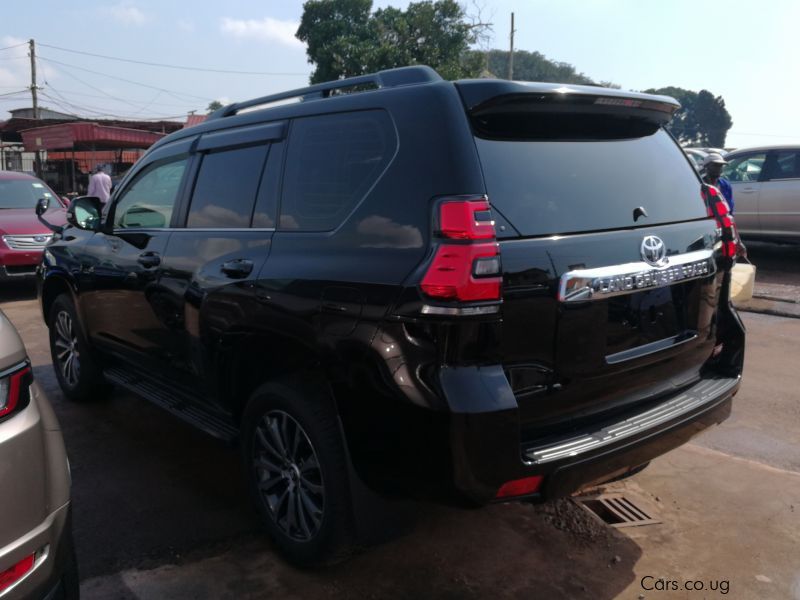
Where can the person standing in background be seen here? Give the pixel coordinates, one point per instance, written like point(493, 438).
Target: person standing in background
point(100, 185)
point(712, 175)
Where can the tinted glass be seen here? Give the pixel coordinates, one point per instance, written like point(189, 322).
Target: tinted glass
point(149, 199)
point(24, 193)
point(551, 187)
point(746, 167)
point(269, 190)
point(783, 164)
point(226, 187)
point(332, 162)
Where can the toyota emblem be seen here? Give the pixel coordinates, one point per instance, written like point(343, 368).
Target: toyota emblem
point(654, 252)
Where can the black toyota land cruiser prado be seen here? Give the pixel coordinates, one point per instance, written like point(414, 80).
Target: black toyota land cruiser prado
point(499, 289)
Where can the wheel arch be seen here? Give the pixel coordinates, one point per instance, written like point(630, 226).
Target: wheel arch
point(53, 286)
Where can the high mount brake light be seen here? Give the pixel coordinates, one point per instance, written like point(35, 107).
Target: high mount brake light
point(466, 266)
point(12, 389)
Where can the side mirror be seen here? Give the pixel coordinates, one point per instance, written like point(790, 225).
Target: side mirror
point(85, 212)
point(42, 205)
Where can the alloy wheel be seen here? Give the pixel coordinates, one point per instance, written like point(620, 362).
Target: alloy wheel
point(288, 476)
point(66, 349)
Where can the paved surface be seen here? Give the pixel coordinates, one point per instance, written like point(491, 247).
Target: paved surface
point(160, 510)
point(777, 289)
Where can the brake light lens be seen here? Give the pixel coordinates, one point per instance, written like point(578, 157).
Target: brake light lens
point(466, 220)
point(11, 576)
point(466, 266)
point(520, 487)
point(13, 390)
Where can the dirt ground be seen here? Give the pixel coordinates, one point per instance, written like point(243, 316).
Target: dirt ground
point(160, 511)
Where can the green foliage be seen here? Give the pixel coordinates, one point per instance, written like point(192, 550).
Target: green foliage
point(702, 119)
point(213, 105)
point(533, 66)
point(344, 38)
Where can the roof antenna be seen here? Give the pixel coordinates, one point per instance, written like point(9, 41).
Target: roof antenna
point(639, 211)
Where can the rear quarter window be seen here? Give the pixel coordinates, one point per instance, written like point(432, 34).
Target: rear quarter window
point(556, 186)
point(332, 162)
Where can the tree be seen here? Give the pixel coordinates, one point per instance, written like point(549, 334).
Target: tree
point(535, 66)
point(213, 105)
point(702, 119)
point(345, 38)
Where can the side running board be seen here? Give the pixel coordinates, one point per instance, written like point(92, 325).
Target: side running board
point(174, 402)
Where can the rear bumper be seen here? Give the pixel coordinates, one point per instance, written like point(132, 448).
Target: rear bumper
point(487, 450)
point(50, 540)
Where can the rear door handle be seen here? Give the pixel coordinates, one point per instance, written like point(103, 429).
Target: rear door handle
point(238, 268)
point(149, 259)
point(748, 190)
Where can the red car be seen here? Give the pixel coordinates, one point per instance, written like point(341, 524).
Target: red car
point(22, 236)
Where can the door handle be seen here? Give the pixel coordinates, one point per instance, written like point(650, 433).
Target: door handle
point(748, 190)
point(239, 268)
point(149, 259)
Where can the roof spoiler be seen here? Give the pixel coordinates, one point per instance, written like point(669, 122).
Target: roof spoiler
point(483, 97)
point(383, 79)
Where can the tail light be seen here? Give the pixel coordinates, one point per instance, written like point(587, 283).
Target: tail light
point(14, 394)
point(466, 266)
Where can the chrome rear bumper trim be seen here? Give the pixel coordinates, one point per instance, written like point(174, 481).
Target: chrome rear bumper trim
point(696, 396)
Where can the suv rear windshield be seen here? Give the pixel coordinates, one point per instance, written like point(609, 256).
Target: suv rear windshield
point(550, 185)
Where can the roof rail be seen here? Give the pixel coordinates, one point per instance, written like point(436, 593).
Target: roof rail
point(382, 79)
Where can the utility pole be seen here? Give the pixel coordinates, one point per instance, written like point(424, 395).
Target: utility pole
point(37, 159)
point(511, 52)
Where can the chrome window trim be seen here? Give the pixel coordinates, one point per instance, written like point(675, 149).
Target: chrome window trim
point(118, 232)
point(606, 282)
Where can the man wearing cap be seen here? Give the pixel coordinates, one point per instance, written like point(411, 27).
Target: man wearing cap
point(712, 175)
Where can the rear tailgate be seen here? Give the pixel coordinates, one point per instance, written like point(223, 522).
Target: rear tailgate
point(609, 286)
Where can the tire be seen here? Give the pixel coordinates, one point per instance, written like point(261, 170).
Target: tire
point(296, 466)
point(77, 372)
point(70, 581)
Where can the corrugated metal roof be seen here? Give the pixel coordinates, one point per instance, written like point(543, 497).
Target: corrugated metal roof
point(86, 135)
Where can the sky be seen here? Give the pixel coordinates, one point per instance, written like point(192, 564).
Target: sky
point(744, 51)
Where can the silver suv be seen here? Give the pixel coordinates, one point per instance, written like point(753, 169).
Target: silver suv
point(37, 559)
point(766, 192)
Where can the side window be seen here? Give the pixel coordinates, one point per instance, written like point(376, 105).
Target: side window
point(332, 162)
point(745, 168)
point(226, 186)
point(149, 199)
point(268, 192)
point(783, 164)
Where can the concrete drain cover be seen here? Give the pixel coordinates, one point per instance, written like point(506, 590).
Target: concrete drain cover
point(618, 510)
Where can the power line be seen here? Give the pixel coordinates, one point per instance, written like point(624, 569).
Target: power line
point(12, 93)
point(181, 67)
point(152, 87)
point(14, 46)
point(69, 107)
point(97, 89)
point(73, 93)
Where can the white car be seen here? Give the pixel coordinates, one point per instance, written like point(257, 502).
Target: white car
point(766, 192)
